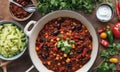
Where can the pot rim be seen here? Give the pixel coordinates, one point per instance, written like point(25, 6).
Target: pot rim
point(77, 15)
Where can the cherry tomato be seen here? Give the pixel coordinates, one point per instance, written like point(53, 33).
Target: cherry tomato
point(103, 35)
point(113, 60)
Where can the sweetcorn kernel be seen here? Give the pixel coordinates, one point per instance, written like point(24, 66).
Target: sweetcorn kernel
point(54, 54)
point(58, 39)
point(70, 31)
point(74, 24)
point(60, 57)
point(55, 44)
point(80, 66)
point(86, 30)
point(49, 63)
point(68, 60)
point(46, 36)
point(59, 64)
point(57, 58)
point(37, 49)
point(65, 55)
point(51, 40)
point(61, 32)
point(90, 46)
point(73, 45)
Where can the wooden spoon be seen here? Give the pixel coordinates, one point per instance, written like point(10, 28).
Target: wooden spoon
point(4, 64)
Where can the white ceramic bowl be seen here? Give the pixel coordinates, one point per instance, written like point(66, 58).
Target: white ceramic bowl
point(107, 15)
point(33, 34)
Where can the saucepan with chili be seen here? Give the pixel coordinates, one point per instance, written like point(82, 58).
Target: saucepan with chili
point(62, 41)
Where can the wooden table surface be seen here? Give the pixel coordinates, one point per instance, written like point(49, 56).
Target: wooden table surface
point(24, 62)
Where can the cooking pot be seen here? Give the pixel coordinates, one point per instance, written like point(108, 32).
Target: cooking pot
point(38, 25)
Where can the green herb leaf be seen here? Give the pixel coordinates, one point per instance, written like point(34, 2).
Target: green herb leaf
point(46, 6)
point(118, 47)
point(112, 67)
point(60, 35)
point(103, 68)
point(111, 4)
point(63, 49)
point(111, 51)
point(105, 54)
point(52, 2)
point(72, 41)
point(65, 46)
point(73, 2)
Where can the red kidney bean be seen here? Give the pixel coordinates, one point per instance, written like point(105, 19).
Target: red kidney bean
point(84, 52)
point(55, 48)
point(40, 46)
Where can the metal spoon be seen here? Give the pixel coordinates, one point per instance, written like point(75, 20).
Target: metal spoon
point(29, 8)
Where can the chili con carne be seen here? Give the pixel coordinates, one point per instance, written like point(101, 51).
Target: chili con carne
point(69, 45)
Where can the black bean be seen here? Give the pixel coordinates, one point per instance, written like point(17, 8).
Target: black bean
point(79, 27)
point(69, 64)
point(40, 53)
point(61, 21)
point(90, 37)
point(79, 51)
point(88, 51)
point(58, 26)
point(42, 40)
point(55, 33)
point(73, 28)
point(47, 54)
point(46, 47)
point(43, 56)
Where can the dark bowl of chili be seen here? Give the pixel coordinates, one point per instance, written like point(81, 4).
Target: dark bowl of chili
point(66, 53)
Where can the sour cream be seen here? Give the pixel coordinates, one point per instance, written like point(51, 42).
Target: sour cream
point(104, 12)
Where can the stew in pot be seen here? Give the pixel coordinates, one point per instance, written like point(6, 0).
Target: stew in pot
point(64, 45)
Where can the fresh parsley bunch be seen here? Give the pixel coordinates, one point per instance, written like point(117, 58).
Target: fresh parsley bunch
point(46, 6)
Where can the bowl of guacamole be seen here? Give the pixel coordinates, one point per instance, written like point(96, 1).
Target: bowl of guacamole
point(13, 40)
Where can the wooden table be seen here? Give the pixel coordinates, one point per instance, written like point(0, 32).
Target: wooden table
point(24, 62)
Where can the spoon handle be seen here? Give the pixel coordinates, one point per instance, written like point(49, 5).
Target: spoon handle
point(15, 3)
point(4, 68)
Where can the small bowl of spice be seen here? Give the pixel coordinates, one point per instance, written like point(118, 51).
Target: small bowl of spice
point(17, 12)
point(104, 12)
